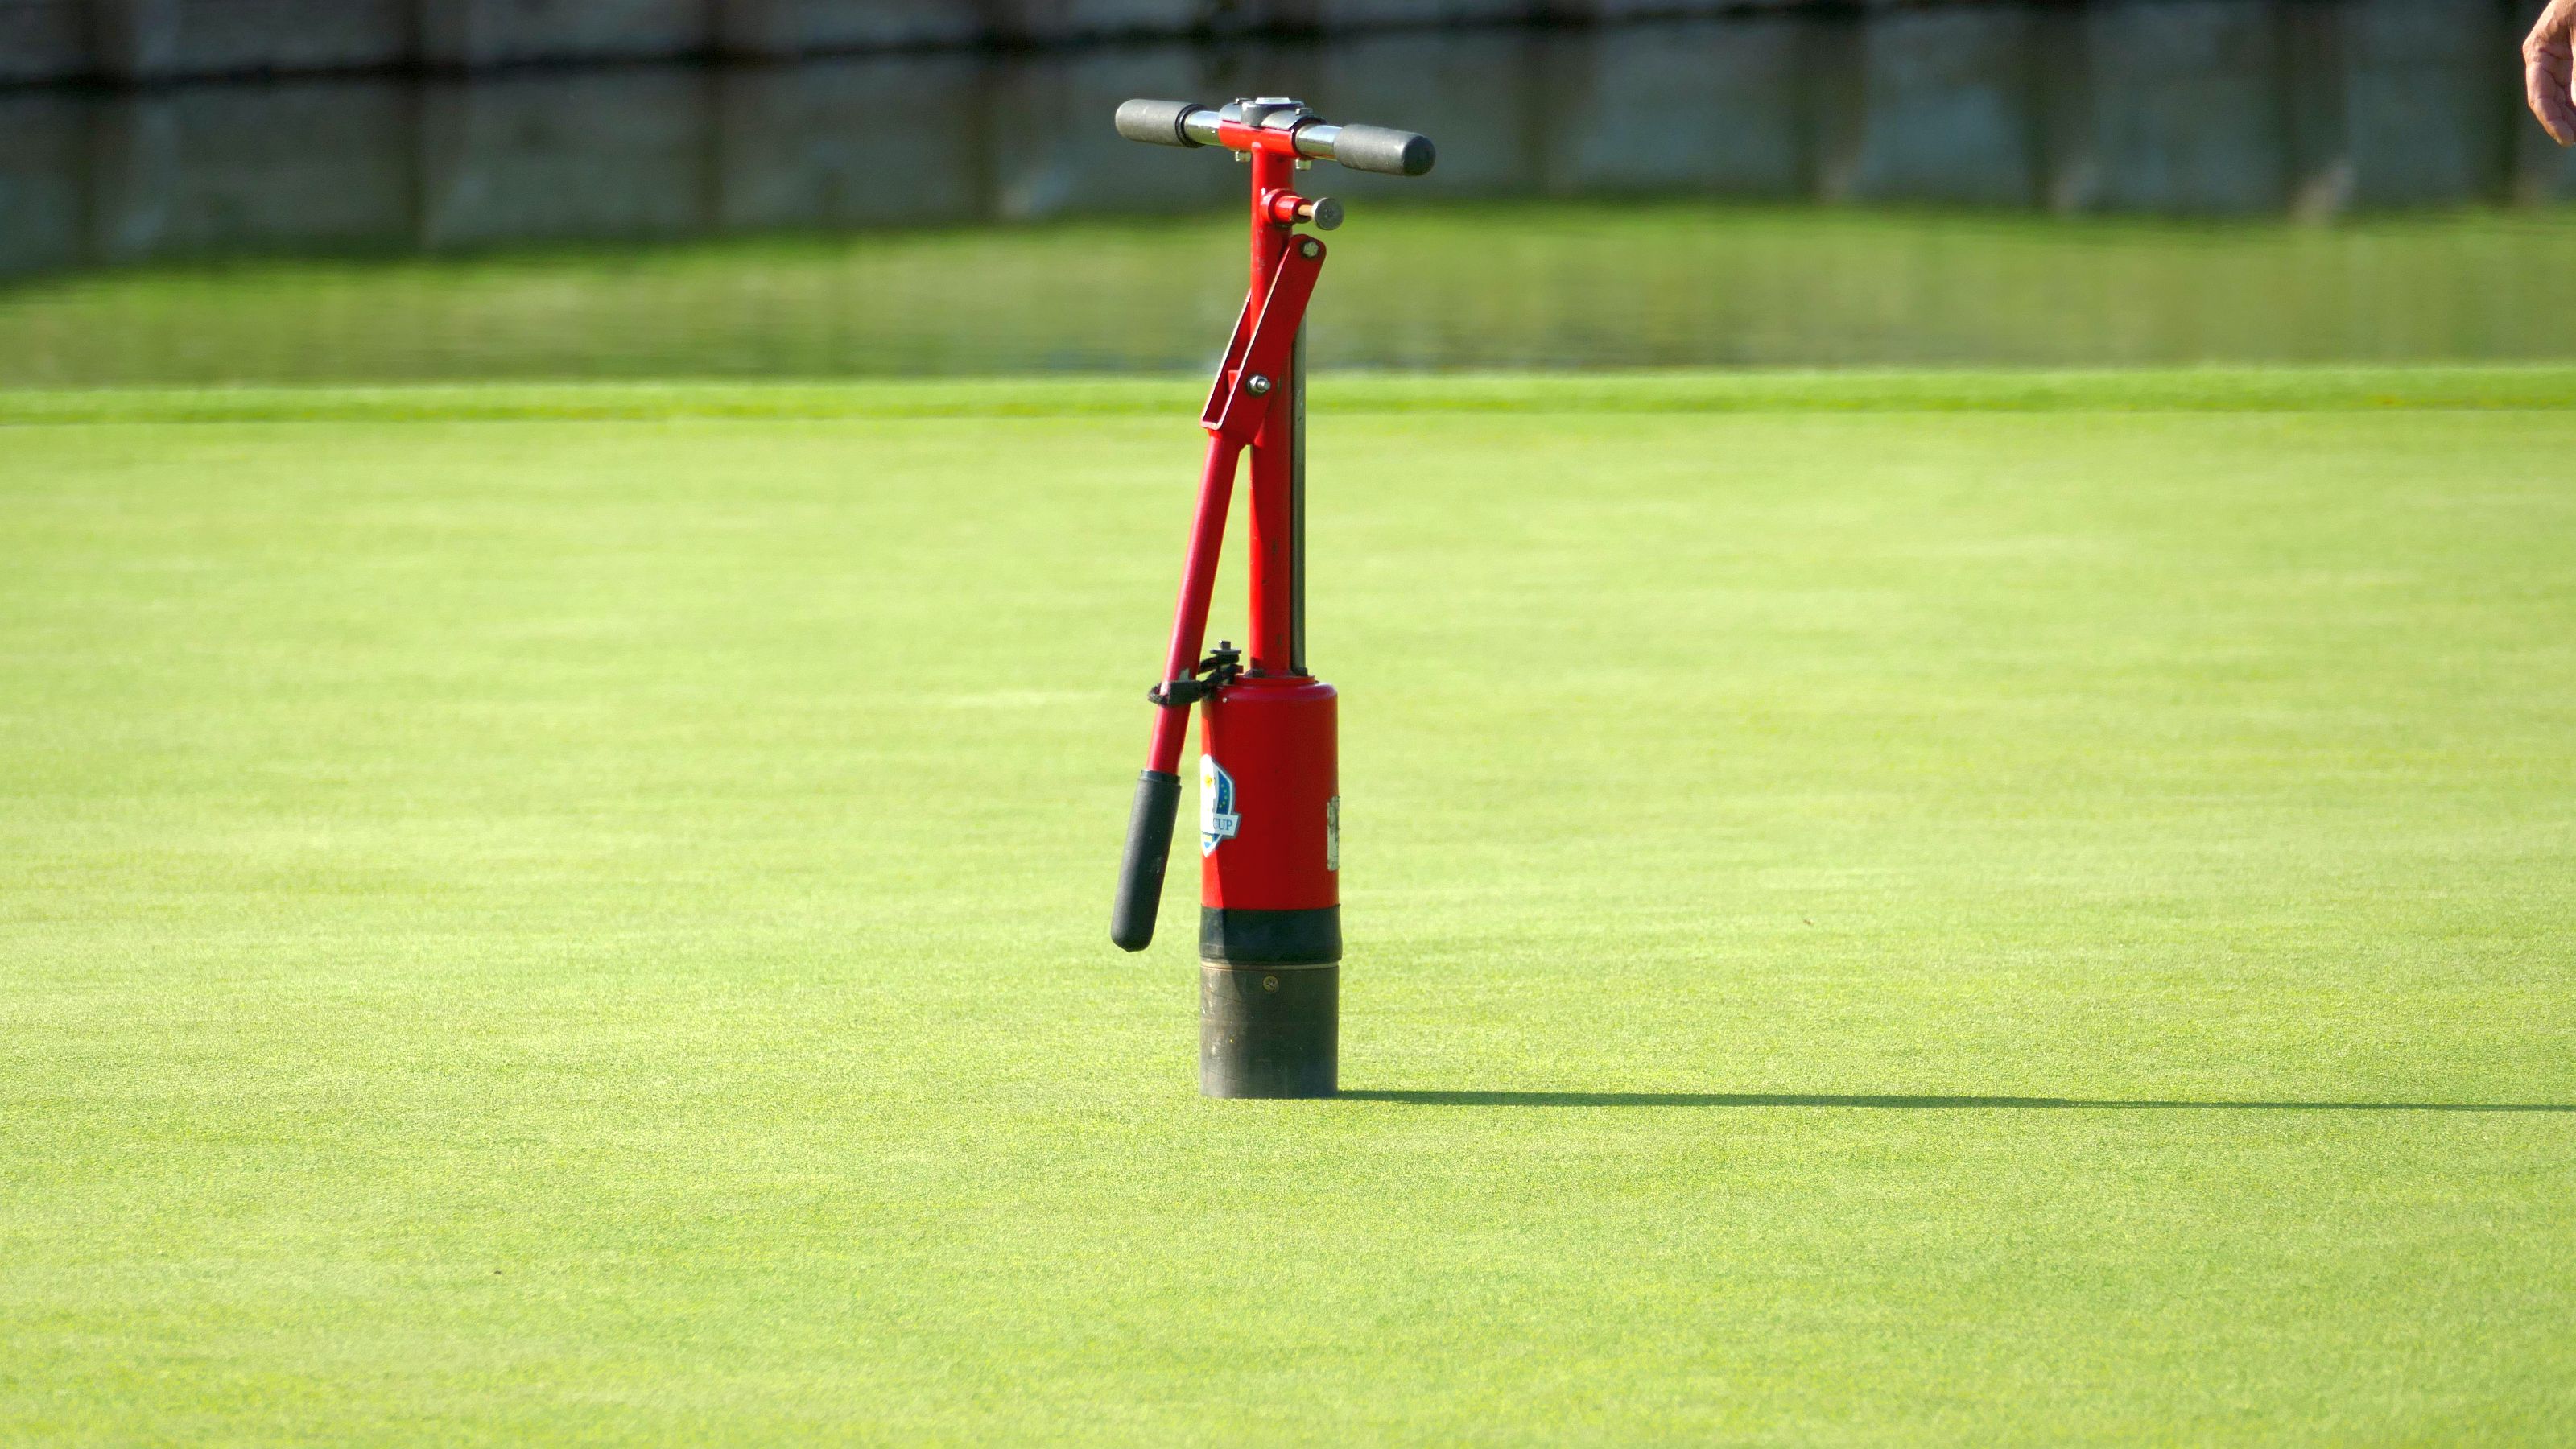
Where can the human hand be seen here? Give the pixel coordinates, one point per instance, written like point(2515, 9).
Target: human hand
point(2547, 74)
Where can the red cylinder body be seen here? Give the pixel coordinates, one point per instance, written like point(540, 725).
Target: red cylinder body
point(1269, 796)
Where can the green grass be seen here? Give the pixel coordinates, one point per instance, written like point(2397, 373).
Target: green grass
point(1524, 284)
point(1878, 910)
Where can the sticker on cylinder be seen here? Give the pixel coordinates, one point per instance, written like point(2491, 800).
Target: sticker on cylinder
point(1333, 834)
point(1217, 820)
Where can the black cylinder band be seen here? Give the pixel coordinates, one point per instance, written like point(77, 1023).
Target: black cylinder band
point(1270, 938)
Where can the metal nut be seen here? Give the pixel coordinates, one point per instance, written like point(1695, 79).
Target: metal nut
point(1257, 385)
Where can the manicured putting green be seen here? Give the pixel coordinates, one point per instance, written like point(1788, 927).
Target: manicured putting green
point(1865, 922)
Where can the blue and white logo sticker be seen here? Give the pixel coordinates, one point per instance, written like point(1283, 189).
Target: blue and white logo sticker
point(1217, 820)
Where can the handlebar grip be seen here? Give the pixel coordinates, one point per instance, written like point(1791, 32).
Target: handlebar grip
point(1370, 148)
point(1156, 123)
point(1149, 851)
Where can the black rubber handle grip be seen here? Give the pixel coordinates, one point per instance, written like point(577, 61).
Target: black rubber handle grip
point(1156, 123)
point(1378, 148)
point(1149, 850)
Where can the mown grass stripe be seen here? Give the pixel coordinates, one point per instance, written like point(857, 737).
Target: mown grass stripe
point(2340, 389)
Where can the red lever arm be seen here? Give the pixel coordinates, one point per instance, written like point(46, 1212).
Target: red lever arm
point(1258, 353)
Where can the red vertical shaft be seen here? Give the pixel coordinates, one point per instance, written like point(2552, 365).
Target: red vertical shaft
point(1273, 562)
point(1198, 581)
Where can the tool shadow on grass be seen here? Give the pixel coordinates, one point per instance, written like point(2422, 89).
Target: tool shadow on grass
point(1817, 1099)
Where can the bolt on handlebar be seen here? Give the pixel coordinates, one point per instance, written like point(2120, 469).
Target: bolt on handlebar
point(1274, 124)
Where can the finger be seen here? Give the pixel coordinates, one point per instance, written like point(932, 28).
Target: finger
point(2561, 124)
point(2547, 69)
point(2557, 110)
point(2545, 75)
point(2550, 102)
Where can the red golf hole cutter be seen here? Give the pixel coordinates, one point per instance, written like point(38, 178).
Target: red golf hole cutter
point(1270, 932)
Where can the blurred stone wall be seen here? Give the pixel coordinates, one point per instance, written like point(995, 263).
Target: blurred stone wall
point(2169, 106)
point(141, 40)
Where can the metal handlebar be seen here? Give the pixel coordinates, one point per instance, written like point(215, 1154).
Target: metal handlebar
point(1275, 124)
